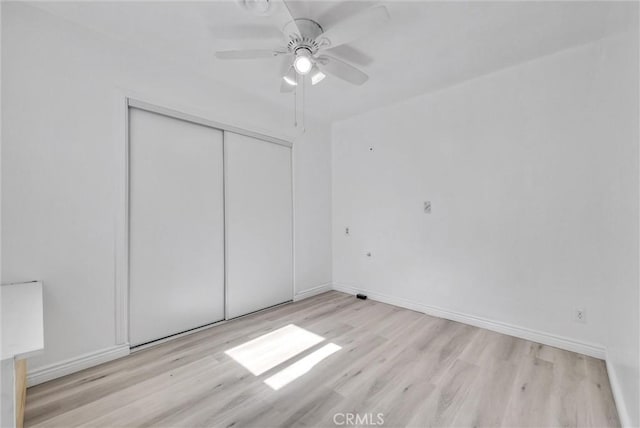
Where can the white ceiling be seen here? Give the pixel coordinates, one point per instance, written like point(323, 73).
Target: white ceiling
point(427, 45)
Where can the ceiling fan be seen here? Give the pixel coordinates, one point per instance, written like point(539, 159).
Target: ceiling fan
point(306, 42)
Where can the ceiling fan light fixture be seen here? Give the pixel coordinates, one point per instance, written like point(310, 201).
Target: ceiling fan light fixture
point(317, 76)
point(306, 42)
point(303, 63)
point(291, 77)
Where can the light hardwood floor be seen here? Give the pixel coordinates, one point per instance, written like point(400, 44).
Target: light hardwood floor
point(414, 369)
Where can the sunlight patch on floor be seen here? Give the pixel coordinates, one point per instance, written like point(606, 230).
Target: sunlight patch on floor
point(269, 350)
point(301, 366)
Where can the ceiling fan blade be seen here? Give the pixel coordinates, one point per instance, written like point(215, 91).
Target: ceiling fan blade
point(342, 70)
point(353, 28)
point(248, 54)
point(351, 54)
point(283, 19)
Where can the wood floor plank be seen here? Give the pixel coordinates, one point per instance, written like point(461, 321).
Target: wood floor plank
point(530, 401)
point(152, 391)
point(411, 368)
point(602, 409)
point(486, 402)
point(445, 403)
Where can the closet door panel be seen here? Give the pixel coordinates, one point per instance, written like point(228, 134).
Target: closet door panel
point(176, 226)
point(258, 224)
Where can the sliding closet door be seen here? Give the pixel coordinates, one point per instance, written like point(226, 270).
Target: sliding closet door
point(176, 226)
point(259, 224)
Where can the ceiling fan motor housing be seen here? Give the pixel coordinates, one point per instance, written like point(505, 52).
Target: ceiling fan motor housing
point(309, 30)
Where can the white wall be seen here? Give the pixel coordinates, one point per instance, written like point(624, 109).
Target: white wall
point(623, 292)
point(533, 177)
point(312, 185)
point(61, 167)
point(6, 395)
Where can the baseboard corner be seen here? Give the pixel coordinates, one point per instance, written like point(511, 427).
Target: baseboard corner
point(314, 291)
point(614, 381)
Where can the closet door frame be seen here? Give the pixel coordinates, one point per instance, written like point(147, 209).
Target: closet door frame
point(121, 250)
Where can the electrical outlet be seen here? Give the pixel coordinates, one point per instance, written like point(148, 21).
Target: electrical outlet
point(580, 316)
point(427, 207)
point(346, 231)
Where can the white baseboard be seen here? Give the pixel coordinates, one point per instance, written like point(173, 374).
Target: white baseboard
point(72, 365)
point(323, 288)
point(589, 349)
point(614, 380)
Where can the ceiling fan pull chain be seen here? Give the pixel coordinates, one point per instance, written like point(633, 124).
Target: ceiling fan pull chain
point(295, 106)
point(303, 101)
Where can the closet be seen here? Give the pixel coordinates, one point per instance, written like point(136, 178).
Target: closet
point(210, 223)
point(259, 229)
